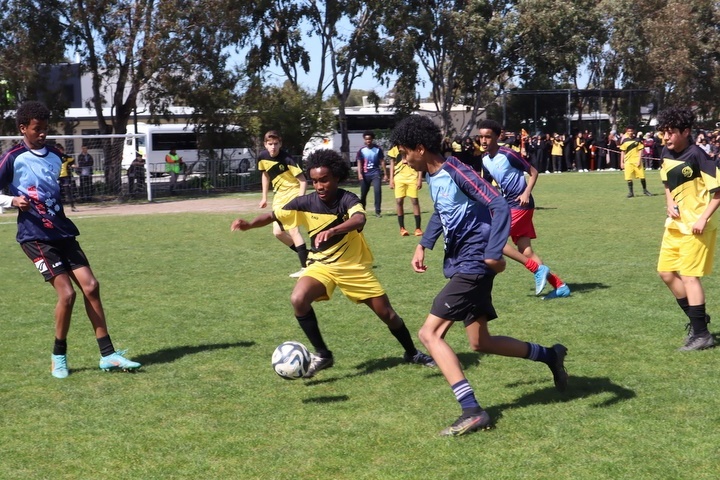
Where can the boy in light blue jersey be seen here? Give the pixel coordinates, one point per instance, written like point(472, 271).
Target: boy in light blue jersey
point(371, 171)
point(31, 171)
point(475, 221)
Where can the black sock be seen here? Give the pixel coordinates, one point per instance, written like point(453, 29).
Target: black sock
point(309, 325)
point(60, 347)
point(696, 314)
point(106, 346)
point(293, 248)
point(644, 184)
point(630, 186)
point(302, 254)
point(417, 222)
point(403, 336)
point(683, 303)
point(401, 221)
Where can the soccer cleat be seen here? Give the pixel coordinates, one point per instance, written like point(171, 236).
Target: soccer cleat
point(560, 292)
point(298, 273)
point(541, 278)
point(467, 424)
point(701, 341)
point(403, 232)
point(689, 328)
point(378, 214)
point(647, 194)
point(317, 364)
point(560, 376)
point(418, 232)
point(420, 358)
point(59, 367)
point(116, 361)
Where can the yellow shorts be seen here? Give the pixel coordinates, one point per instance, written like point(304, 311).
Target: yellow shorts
point(406, 189)
point(688, 255)
point(633, 170)
point(357, 282)
point(282, 198)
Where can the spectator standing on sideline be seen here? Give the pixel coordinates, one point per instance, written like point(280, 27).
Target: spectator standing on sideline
point(136, 175)
point(405, 181)
point(631, 162)
point(288, 181)
point(474, 220)
point(692, 196)
point(648, 151)
point(49, 238)
point(85, 164)
point(173, 165)
point(580, 153)
point(371, 171)
point(557, 153)
point(66, 181)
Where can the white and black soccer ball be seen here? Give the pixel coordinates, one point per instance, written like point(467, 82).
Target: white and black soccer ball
point(291, 360)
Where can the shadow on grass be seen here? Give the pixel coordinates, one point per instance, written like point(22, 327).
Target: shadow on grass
point(169, 355)
point(371, 366)
point(586, 287)
point(327, 399)
point(578, 388)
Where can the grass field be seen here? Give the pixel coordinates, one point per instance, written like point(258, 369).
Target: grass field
point(203, 309)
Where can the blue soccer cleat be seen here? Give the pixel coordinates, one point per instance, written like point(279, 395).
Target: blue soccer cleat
point(59, 367)
point(116, 361)
point(541, 278)
point(560, 292)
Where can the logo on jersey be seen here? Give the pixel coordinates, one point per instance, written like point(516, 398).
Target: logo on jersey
point(687, 172)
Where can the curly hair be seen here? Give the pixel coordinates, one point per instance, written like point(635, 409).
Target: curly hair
point(30, 111)
point(490, 125)
point(675, 117)
point(417, 130)
point(331, 160)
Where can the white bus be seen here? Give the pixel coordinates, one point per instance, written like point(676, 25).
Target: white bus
point(359, 120)
point(157, 140)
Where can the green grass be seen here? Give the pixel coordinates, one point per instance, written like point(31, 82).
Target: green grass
point(203, 309)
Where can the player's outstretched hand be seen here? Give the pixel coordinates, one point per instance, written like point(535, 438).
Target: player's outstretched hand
point(418, 260)
point(497, 266)
point(239, 224)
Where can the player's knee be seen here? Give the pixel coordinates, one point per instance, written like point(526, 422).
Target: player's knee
point(66, 296)
point(91, 288)
point(425, 335)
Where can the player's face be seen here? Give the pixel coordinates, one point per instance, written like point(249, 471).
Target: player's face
point(325, 184)
point(273, 146)
point(676, 140)
point(35, 133)
point(630, 133)
point(414, 157)
point(368, 140)
point(488, 140)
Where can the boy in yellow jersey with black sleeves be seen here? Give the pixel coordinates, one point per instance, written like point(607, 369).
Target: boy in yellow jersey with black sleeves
point(692, 194)
point(339, 256)
point(405, 181)
point(288, 181)
point(631, 161)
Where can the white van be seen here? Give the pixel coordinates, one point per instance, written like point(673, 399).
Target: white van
point(157, 140)
point(359, 120)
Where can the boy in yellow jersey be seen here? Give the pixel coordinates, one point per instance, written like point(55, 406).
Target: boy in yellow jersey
point(66, 180)
point(405, 181)
point(692, 195)
point(279, 168)
point(631, 161)
point(339, 256)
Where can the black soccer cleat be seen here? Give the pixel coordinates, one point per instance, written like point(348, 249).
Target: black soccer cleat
point(560, 376)
point(317, 364)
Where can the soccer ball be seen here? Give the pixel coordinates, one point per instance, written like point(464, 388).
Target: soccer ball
point(291, 360)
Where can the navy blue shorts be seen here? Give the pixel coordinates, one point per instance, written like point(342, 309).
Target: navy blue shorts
point(55, 257)
point(465, 298)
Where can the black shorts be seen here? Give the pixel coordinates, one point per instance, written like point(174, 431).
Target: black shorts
point(56, 257)
point(465, 298)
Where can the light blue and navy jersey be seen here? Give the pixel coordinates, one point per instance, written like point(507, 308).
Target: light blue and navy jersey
point(507, 168)
point(34, 175)
point(369, 160)
point(472, 216)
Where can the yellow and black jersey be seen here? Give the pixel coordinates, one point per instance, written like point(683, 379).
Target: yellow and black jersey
point(403, 173)
point(632, 148)
point(312, 213)
point(283, 171)
point(692, 178)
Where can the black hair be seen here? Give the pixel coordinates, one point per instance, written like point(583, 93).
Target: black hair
point(369, 133)
point(29, 111)
point(490, 125)
point(416, 130)
point(330, 159)
point(675, 117)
